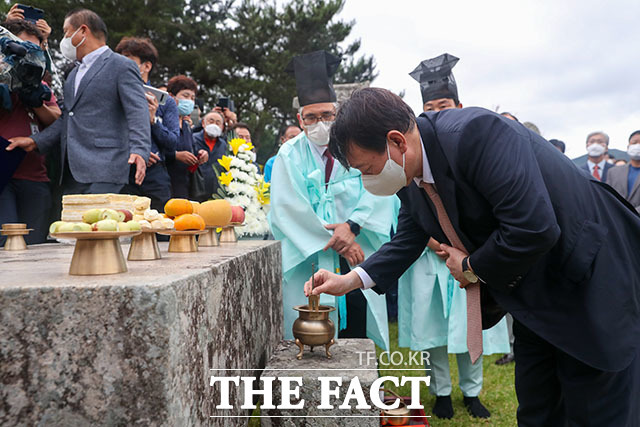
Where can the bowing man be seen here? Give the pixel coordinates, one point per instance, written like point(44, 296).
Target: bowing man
point(320, 211)
point(526, 231)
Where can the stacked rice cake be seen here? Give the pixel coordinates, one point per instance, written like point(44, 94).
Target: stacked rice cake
point(74, 205)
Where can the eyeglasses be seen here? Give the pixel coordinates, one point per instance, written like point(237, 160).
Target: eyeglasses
point(313, 119)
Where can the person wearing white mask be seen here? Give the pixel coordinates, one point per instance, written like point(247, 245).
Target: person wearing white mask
point(597, 146)
point(624, 178)
point(104, 127)
point(211, 140)
point(320, 211)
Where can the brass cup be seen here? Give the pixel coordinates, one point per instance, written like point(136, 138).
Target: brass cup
point(314, 328)
point(183, 243)
point(395, 417)
point(97, 256)
point(209, 239)
point(144, 247)
point(228, 235)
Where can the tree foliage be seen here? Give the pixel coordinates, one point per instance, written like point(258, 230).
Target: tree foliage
point(235, 48)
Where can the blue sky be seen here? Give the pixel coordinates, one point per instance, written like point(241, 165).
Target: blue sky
point(571, 67)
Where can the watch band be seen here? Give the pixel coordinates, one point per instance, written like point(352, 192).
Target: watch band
point(354, 226)
point(465, 263)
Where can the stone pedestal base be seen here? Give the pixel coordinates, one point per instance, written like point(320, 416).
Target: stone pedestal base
point(347, 356)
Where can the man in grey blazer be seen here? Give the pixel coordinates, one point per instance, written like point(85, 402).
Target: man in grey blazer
point(104, 126)
point(625, 179)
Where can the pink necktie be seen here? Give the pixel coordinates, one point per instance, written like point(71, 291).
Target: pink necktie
point(474, 314)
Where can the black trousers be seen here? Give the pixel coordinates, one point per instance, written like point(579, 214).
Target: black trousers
point(26, 202)
point(71, 186)
point(356, 310)
point(156, 185)
point(555, 389)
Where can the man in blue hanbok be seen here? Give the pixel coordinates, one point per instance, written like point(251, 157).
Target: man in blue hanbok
point(321, 213)
point(432, 312)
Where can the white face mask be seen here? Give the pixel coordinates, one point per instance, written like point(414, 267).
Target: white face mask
point(67, 48)
point(213, 130)
point(389, 181)
point(595, 150)
point(634, 151)
point(318, 133)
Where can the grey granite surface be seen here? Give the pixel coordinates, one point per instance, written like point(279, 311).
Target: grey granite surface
point(133, 348)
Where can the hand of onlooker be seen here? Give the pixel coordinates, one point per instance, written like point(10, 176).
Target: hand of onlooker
point(44, 28)
point(188, 120)
point(353, 254)
point(230, 118)
point(333, 284)
point(153, 106)
point(15, 13)
point(342, 237)
point(454, 264)
point(186, 157)
point(26, 143)
point(434, 245)
point(203, 156)
point(153, 159)
point(141, 167)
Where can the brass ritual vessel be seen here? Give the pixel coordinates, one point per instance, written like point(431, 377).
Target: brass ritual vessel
point(313, 327)
point(144, 247)
point(182, 241)
point(15, 240)
point(209, 239)
point(229, 234)
point(395, 417)
point(96, 252)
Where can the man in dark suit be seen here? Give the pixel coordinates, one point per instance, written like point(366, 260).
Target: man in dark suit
point(211, 140)
point(104, 126)
point(547, 243)
point(597, 165)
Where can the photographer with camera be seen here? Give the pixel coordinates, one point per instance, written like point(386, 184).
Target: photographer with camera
point(165, 128)
point(29, 107)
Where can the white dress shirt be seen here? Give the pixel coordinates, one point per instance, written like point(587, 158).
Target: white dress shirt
point(427, 176)
point(600, 167)
point(86, 63)
point(318, 151)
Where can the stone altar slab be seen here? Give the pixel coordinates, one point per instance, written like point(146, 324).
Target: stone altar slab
point(133, 348)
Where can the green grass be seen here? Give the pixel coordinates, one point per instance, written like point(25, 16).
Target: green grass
point(498, 391)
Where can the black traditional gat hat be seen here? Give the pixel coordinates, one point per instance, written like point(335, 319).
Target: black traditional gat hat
point(435, 78)
point(313, 73)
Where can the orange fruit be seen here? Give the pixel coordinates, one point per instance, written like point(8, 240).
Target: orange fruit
point(177, 207)
point(216, 213)
point(188, 222)
point(203, 225)
point(195, 206)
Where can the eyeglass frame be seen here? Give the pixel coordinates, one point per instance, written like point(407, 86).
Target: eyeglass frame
point(324, 117)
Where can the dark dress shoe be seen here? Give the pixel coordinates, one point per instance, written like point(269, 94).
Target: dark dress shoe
point(443, 407)
point(476, 408)
point(506, 359)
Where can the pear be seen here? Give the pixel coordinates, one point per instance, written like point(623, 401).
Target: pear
point(53, 228)
point(106, 225)
point(65, 227)
point(134, 226)
point(123, 226)
point(92, 216)
point(81, 226)
point(111, 214)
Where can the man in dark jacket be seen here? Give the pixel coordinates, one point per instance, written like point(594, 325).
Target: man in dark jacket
point(210, 139)
point(533, 235)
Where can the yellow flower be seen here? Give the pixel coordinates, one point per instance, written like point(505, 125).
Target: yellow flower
point(225, 162)
point(225, 178)
point(235, 144)
point(248, 146)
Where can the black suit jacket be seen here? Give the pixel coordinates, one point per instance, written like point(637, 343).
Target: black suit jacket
point(603, 175)
point(557, 249)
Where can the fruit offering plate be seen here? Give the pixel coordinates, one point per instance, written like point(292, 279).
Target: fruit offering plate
point(180, 233)
point(236, 224)
point(94, 235)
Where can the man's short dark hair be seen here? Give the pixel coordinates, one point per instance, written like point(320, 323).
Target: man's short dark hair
point(19, 26)
point(634, 134)
point(241, 125)
point(89, 18)
point(366, 118)
point(558, 144)
point(139, 47)
point(180, 83)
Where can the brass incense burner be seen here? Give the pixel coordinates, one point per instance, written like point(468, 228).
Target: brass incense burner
point(144, 247)
point(15, 240)
point(209, 239)
point(395, 417)
point(313, 327)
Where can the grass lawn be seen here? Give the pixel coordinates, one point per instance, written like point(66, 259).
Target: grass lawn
point(498, 392)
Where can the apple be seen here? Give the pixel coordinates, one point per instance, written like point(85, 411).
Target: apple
point(106, 225)
point(111, 214)
point(123, 226)
point(128, 215)
point(92, 216)
point(237, 215)
point(134, 226)
point(53, 228)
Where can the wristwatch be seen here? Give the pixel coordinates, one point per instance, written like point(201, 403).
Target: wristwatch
point(355, 227)
point(466, 271)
